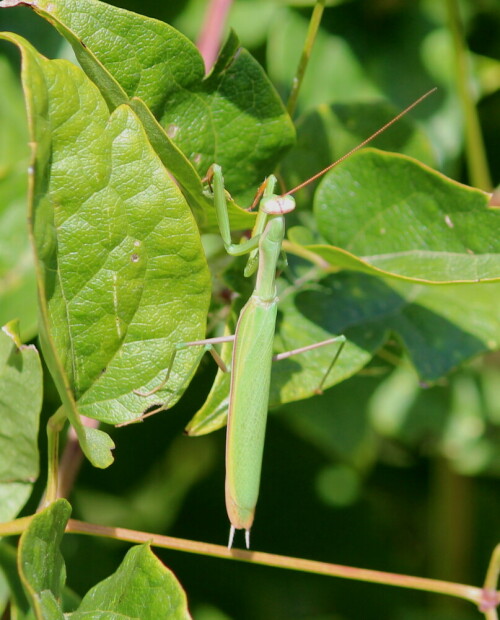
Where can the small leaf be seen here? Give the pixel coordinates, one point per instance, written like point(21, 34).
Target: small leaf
point(41, 564)
point(21, 389)
point(387, 214)
point(142, 587)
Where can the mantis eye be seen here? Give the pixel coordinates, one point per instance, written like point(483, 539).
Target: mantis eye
point(278, 205)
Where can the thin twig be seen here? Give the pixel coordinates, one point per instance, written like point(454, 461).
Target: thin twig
point(316, 16)
point(469, 593)
point(474, 148)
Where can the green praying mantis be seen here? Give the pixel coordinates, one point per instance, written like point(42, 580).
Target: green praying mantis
point(253, 341)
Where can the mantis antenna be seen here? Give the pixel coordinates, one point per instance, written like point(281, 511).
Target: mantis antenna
point(362, 144)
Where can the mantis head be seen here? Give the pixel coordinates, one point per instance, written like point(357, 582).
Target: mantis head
point(278, 205)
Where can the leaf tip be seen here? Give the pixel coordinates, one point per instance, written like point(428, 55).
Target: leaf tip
point(11, 329)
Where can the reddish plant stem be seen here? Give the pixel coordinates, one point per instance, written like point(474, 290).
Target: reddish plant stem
point(470, 593)
point(210, 37)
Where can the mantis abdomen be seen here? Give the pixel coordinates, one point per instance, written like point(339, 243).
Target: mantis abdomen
point(250, 380)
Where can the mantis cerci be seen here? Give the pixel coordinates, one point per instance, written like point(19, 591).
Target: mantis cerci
point(253, 342)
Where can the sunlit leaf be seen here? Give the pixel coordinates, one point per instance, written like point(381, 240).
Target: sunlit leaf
point(42, 567)
point(232, 115)
point(142, 587)
point(122, 274)
point(387, 214)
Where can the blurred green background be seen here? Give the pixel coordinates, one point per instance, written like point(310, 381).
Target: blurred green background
point(376, 473)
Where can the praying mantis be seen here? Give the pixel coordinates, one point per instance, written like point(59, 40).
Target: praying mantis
point(253, 341)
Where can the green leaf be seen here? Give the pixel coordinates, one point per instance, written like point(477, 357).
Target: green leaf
point(142, 587)
point(438, 326)
point(41, 564)
point(213, 414)
point(17, 276)
point(21, 389)
point(232, 117)
point(388, 214)
point(121, 270)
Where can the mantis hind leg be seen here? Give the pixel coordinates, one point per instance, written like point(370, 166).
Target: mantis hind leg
point(316, 345)
point(208, 345)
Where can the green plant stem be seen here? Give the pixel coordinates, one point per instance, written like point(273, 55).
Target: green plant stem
point(314, 23)
point(452, 495)
point(469, 593)
point(54, 428)
point(474, 148)
point(16, 527)
point(491, 598)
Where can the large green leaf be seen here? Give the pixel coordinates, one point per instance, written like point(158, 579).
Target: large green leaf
point(20, 405)
point(438, 326)
point(121, 270)
point(388, 214)
point(17, 276)
point(40, 562)
point(142, 587)
point(232, 117)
